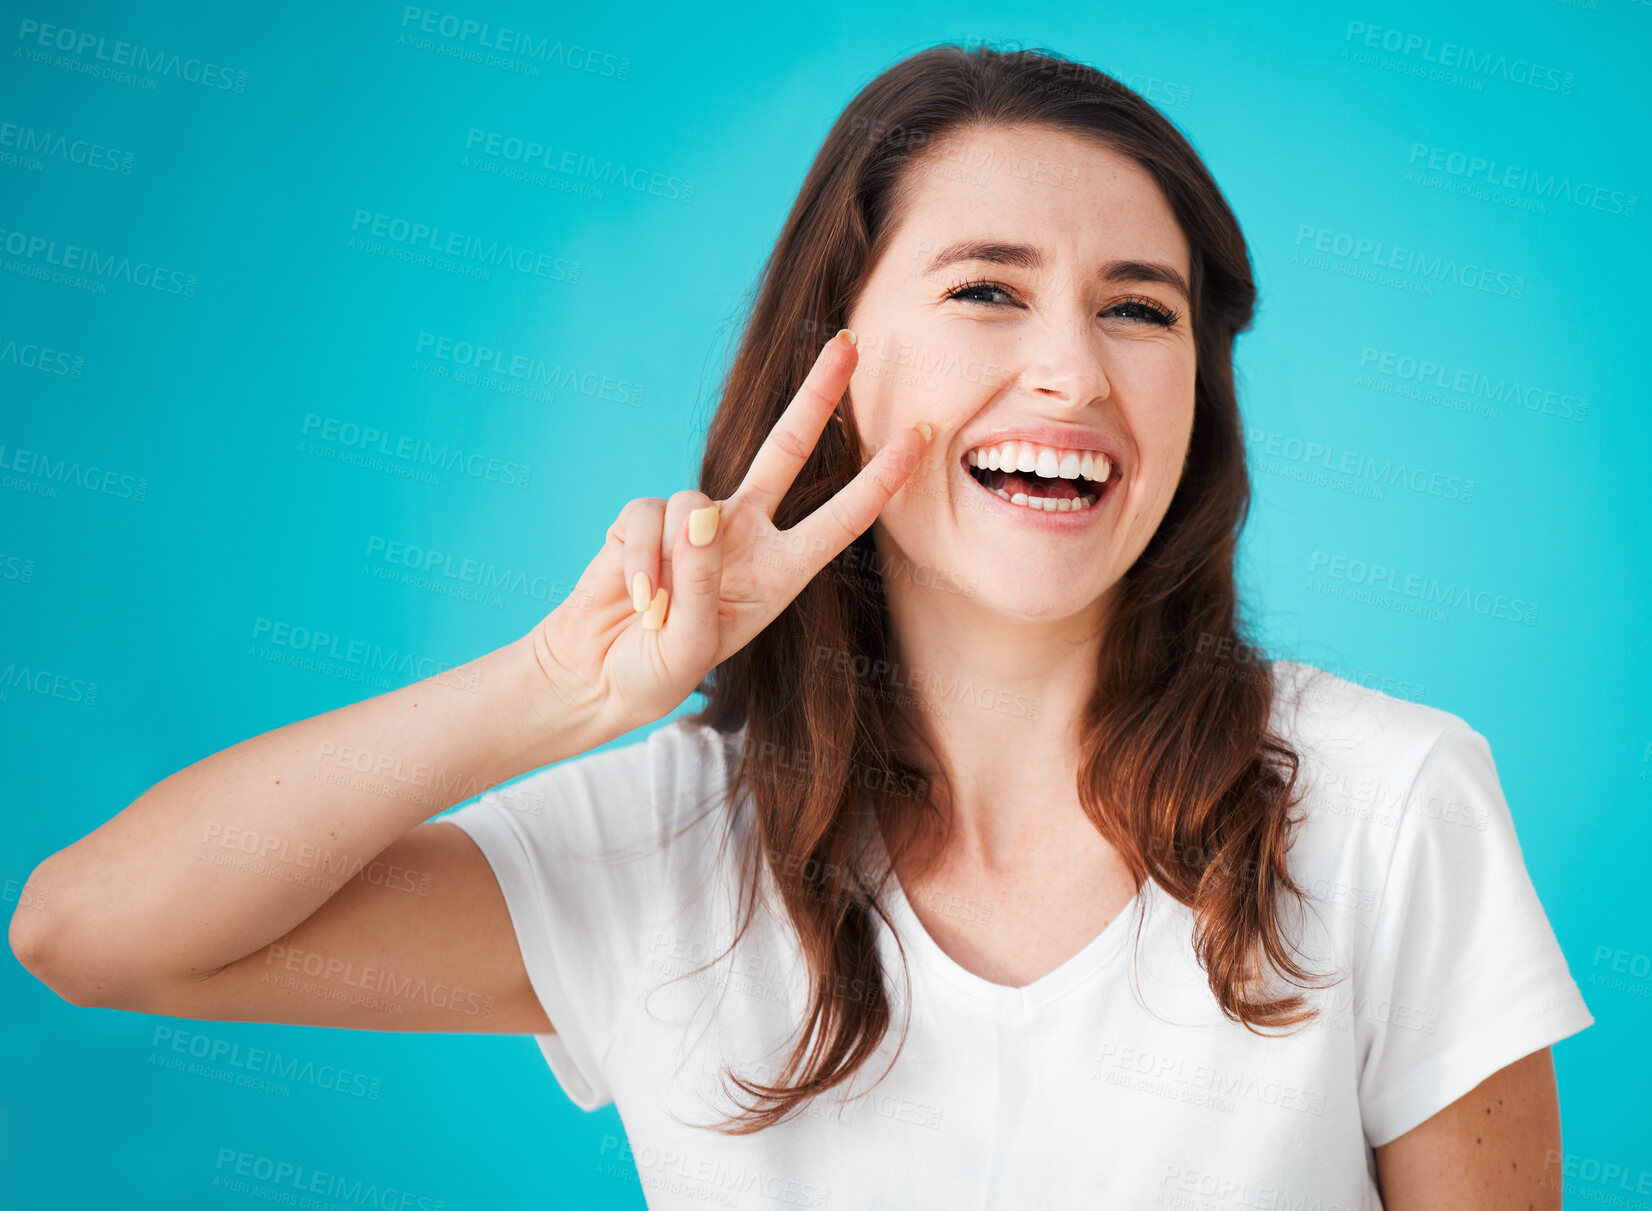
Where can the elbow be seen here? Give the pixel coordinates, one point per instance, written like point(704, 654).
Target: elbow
point(27, 934)
point(34, 940)
point(42, 940)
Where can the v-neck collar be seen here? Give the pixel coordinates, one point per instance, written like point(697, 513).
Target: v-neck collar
point(1096, 954)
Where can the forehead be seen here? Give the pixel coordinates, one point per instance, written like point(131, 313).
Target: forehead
point(1068, 193)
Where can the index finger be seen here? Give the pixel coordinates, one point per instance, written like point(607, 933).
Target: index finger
point(794, 435)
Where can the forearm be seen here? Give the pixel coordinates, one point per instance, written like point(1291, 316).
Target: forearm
point(232, 852)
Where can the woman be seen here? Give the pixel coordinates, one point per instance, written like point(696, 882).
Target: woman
point(959, 588)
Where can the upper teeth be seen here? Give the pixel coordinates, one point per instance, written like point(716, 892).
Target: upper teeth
point(1048, 461)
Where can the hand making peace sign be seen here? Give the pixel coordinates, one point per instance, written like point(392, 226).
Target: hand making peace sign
point(681, 585)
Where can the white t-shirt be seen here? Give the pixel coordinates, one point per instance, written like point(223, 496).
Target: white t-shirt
point(1112, 1081)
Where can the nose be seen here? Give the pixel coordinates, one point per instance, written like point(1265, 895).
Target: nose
point(1063, 364)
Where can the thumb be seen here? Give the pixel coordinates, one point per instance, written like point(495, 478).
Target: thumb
point(691, 633)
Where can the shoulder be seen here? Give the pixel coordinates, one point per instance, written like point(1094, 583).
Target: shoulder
point(1367, 756)
point(1361, 746)
point(1339, 723)
point(1410, 856)
point(1380, 777)
point(658, 775)
point(643, 801)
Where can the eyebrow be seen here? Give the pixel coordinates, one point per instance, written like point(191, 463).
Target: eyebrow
point(1026, 256)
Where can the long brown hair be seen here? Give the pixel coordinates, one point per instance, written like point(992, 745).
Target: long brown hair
point(1179, 769)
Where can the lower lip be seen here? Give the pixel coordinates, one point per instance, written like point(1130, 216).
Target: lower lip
point(1056, 522)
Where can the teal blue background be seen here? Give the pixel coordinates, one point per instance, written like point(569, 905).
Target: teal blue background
point(157, 601)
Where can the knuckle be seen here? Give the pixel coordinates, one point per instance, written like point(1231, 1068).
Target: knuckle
point(637, 507)
point(691, 498)
point(887, 480)
point(697, 583)
point(812, 389)
point(787, 441)
point(702, 573)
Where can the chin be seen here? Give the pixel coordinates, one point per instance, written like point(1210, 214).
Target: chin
point(1027, 598)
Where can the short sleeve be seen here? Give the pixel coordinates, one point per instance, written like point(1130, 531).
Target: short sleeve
point(586, 853)
point(1464, 974)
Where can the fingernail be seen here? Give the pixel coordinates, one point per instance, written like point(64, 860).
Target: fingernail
point(702, 525)
point(926, 429)
point(847, 335)
point(639, 592)
point(655, 618)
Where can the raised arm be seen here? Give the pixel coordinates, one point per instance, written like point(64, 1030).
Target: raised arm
point(294, 878)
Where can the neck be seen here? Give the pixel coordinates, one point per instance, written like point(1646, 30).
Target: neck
point(996, 702)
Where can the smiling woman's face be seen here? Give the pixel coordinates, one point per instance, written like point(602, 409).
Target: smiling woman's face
point(1072, 354)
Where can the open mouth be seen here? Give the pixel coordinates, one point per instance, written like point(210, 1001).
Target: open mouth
point(1034, 489)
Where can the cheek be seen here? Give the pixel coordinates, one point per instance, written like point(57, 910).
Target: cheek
point(1161, 395)
point(902, 379)
point(1161, 418)
point(1170, 437)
